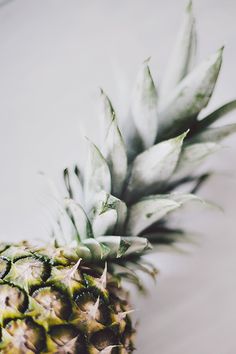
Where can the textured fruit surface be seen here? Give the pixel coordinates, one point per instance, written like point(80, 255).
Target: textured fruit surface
point(53, 302)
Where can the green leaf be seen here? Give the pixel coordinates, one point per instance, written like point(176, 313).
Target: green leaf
point(108, 215)
point(152, 209)
point(182, 58)
point(192, 156)
point(154, 167)
point(213, 134)
point(96, 250)
point(144, 106)
point(79, 219)
point(97, 176)
point(64, 230)
point(113, 247)
point(113, 146)
point(189, 97)
point(183, 198)
point(148, 211)
point(73, 185)
point(214, 116)
point(133, 245)
point(104, 223)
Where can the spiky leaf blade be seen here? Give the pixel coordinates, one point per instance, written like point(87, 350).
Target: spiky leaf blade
point(124, 246)
point(144, 106)
point(108, 215)
point(214, 134)
point(182, 58)
point(104, 223)
point(154, 167)
point(151, 209)
point(211, 118)
point(148, 211)
point(192, 156)
point(79, 219)
point(97, 176)
point(190, 97)
point(113, 146)
point(73, 185)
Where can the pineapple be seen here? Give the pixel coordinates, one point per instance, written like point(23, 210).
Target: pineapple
point(67, 296)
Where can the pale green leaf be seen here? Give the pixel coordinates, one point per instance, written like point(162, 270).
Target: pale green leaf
point(79, 218)
point(213, 134)
point(112, 247)
point(124, 246)
point(154, 167)
point(97, 176)
point(73, 185)
point(144, 106)
point(214, 116)
point(108, 215)
point(113, 147)
point(152, 209)
point(95, 248)
point(182, 58)
point(148, 211)
point(64, 230)
point(183, 198)
point(192, 156)
point(104, 222)
point(190, 97)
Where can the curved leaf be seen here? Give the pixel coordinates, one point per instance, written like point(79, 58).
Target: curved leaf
point(112, 247)
point(214, 116)
point(144, 106)
point(213, 134)
point(124, 246)
point(64, 230)
point(73, 185)
point(147, 212)
point(79, 219)
point(113, 146)
point(190, 97)
point(97, 176)
point(192, 156)
point(108, 215)
point(152, 209)
point(182, 58)
point(154, 167)
point(104, 223)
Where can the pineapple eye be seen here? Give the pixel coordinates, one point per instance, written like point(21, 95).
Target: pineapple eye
point(86, 302)
point(103, 339)
point(27, 272)
point(67, 339)
point(4, 266)
point(3, 247)
point(12, 300)
point(27, 336)
point(54, 303)
point(15, 252)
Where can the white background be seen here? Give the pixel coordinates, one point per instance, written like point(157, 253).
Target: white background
point(54, 55)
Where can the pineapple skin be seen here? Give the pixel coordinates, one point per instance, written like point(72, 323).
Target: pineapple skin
point(53, 302)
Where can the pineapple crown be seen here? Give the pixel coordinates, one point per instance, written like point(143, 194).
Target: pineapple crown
point(117, 207)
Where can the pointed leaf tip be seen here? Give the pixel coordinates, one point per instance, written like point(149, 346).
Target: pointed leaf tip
point(189, 6)
point(192, 156)
point(146, 61)
point(183, 56)
point(113, 147)
point(144, 106)
point(154, 167)
point(97, 175)
point(190, 96)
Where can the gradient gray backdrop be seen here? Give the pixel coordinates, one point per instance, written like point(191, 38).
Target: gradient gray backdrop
point(54, 54)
